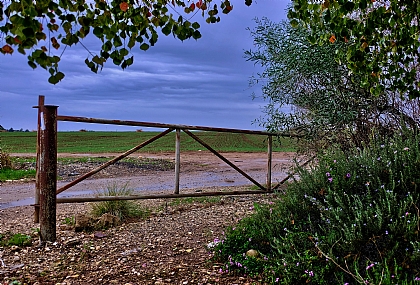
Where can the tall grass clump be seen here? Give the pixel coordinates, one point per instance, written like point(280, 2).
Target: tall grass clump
point(122, 209)
point(5, 161)
point(353, 218)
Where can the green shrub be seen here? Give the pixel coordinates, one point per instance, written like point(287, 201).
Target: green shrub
point(353, 218)
point(121, 208)
point(19, 240)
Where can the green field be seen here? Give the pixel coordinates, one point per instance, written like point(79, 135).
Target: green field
point(108, 142)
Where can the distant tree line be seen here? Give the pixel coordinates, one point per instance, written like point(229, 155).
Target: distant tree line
point(12, 130)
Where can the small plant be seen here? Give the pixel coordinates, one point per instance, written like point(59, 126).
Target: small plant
point(19, 240)
point(69, 221)
point(122, 209)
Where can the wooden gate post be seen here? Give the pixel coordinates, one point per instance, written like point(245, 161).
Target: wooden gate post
point(40, 107)
point(269, 161)
point(177, 159)
point(47, 169)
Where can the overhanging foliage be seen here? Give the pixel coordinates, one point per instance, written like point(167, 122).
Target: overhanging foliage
point(44, 28)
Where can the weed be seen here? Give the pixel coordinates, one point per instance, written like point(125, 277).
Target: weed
point(19, 240)
point(120, 208)
point(69, 221)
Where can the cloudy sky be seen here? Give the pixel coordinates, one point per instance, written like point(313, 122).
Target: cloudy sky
point(202, 82)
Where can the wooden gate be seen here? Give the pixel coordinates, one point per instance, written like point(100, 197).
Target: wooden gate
point(46, 174)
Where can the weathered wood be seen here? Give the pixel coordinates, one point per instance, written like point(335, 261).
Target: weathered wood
point(269, 161)
point(224, 159)
point(177, 159)
point(159, 196)
point(48, 174)
point(160, 125)
point(41, 100)
point(112, 161)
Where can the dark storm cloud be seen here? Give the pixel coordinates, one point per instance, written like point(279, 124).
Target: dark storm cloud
point(202, 82)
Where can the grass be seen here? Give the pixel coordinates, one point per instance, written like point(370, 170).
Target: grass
point(122, 209)
point(11, 174)
point(109, 142)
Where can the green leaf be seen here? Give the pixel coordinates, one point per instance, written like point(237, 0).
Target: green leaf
point(124, 52)
point(117, 41)
point(32, 64)
point(53, 80)
point(196, 25)
point(98, 31)
point(144, 46)
point(28, 32)
point(196, 35)
point(59, 76)
point(294, 23)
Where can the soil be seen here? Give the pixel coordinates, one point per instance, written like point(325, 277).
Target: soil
point(168, 247)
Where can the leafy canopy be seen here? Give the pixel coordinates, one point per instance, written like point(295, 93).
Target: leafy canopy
point(328, 103)
point(383, 36)
point(44, 28)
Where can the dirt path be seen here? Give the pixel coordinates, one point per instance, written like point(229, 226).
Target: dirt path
point(198, 169)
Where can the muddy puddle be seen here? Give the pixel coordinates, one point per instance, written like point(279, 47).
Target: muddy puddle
point(162, 182)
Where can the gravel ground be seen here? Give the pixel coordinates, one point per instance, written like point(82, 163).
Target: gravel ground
point(169, 247)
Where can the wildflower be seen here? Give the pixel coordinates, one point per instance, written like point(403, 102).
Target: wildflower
point(406, 148)
point(330, 179)
point(311, 273)
point(370, 266)
point(367, 183)
point(348, 175)
point(277, 279)
point(328, 174)
point(417, 279)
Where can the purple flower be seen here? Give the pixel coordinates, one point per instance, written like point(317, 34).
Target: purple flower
point(348, 175)
point(370, 266)
point(328, 174)
point(330, 179)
